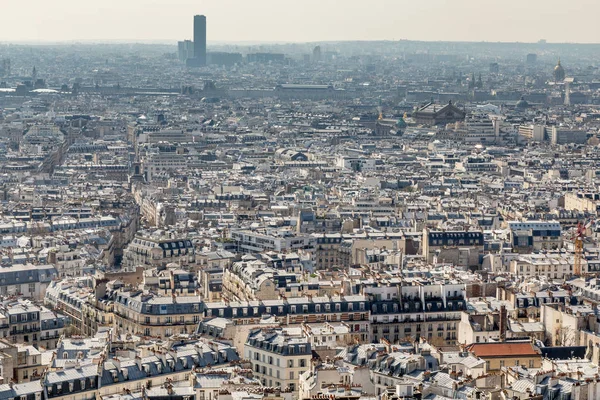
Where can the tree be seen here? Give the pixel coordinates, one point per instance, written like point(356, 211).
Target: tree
point(564, 336)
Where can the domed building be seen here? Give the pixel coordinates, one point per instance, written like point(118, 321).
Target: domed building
point(522, 104)
point(559, 72)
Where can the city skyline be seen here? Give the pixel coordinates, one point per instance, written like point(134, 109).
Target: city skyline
point(269, 21)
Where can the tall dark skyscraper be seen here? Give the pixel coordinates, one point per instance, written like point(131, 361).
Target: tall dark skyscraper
point(200, 39)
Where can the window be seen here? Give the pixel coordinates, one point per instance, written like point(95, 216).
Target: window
point(516, 363)
point(501, 363)
point(291, 374)
point(531, 363)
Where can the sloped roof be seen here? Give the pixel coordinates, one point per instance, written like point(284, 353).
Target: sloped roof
point(503, 349)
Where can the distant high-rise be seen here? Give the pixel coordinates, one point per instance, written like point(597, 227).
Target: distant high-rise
point(200, 39)
point(185, 50)
point(5, 68)
point(317, 54)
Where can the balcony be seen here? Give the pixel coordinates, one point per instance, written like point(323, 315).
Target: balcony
point(444, 318)
point(24, 331)
point(50, 337)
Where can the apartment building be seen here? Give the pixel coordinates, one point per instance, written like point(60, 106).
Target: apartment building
point(158, 251)
point(147, 314)
point(432, 312)
point(461, 248)
point(553, 265)
point(278, 358)
point(257, 241)
point(527, 236)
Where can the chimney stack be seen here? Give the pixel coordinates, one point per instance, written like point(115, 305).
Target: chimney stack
point(503, 322)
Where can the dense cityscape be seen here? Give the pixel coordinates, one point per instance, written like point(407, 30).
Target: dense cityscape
point(378, 220)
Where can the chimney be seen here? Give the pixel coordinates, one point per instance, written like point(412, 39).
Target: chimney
point(503, 322)
point(172, 280)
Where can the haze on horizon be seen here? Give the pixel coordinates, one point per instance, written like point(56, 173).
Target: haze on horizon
point(302, 21)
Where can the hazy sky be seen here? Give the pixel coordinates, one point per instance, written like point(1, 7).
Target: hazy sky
point(301, 20)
